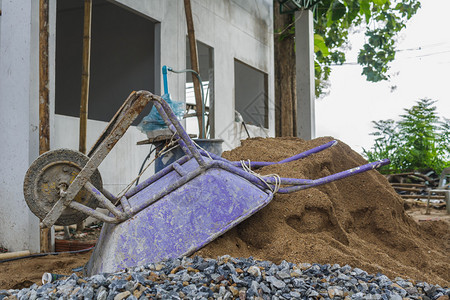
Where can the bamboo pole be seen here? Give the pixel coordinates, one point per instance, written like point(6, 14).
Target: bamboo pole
point(85, 74)
point(85, 80)
point(44, 111)
point(44, 128)
point(194, 66)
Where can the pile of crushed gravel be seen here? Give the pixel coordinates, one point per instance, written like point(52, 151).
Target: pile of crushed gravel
point(231, 278)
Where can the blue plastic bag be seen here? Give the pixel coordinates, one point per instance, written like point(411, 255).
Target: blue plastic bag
point(153, 121)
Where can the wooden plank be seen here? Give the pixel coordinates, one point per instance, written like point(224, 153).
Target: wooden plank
point(423, 204)
point(408, 185)
point(415, 175)
point(405, 189)
point(422, 197)
point(194, 65)
point(44, 111)
point(85, 74)
point(45, 237)
point(111, 125)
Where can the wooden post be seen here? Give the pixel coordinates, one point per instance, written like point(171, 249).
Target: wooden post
point(427, 210)
point(194, 66)
point(85, 78)
point(44, 119)
point(85, 74)
point(285, 84)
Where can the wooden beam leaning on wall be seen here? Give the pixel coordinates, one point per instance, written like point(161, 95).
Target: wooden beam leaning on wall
point(85, 74)
point(85, 81)
point(285, 74)
point(44, 112)
point(195, 67)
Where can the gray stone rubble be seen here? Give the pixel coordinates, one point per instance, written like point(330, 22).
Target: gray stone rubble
point(231, 278)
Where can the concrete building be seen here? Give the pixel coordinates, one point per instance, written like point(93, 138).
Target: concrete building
point(131, 41)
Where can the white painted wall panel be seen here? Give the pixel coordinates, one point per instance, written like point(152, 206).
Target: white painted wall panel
point(18, 226)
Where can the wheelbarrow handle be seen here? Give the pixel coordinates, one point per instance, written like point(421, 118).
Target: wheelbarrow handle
point(260, 164)
point(327, 179)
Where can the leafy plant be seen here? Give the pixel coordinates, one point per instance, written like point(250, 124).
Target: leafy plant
point(382, 21)
point(419, 141)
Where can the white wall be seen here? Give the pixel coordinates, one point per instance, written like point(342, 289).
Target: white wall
point(235, 29)
point(241, 30)
point(18, 121)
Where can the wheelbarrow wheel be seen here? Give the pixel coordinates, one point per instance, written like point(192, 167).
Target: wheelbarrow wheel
point(51, 173)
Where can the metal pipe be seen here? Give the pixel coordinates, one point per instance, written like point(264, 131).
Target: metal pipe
point(180, 142)
point(103, 200)
point(288, 181)
point(309, 152)
point(259, 164)
point(164, 73)
point(179, 169)
point(93, 213)
point(126, 206)
point(134, 190)
point(109, 195)
point(337, 176)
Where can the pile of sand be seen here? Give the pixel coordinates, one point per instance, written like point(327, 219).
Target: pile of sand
point(358, 221)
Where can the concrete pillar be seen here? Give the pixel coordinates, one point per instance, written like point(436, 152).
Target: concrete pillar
point(304, 55)
point(19, 228)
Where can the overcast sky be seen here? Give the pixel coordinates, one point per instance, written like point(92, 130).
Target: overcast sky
point(423, 72)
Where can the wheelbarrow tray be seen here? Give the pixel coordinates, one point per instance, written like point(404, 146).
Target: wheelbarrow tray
point(179, 223)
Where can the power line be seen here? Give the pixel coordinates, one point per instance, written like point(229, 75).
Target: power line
point(352, 63)
point(418, 48)
point(429, 54)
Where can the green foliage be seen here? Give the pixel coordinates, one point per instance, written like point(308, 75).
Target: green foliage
point(383, 20)
point(319, 45)
point(419, 141)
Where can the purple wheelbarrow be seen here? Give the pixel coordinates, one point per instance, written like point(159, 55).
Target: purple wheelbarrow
point(174, 212)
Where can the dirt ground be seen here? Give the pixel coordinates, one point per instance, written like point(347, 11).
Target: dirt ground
point(418, 214)
point(359, 221)
point(23, 273)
